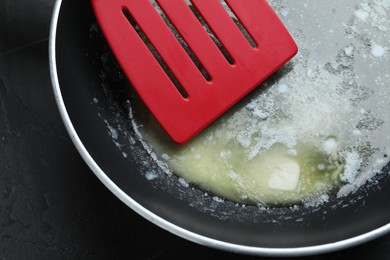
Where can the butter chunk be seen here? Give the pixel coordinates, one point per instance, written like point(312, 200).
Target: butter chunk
point(285, 176)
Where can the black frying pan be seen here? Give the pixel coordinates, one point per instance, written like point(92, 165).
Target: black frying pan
point(92, 95)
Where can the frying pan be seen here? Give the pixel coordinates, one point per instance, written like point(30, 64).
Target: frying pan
point(93, 98)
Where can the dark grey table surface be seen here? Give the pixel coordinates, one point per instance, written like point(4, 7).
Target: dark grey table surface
point(51, 205)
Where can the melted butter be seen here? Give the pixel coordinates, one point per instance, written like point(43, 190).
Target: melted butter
point(282, 174)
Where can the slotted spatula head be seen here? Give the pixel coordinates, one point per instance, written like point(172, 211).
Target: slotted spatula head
point(191, 64)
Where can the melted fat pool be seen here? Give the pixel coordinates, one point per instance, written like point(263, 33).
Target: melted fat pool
point(279, 176)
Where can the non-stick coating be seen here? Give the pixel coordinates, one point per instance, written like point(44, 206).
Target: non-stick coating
point(91, 109)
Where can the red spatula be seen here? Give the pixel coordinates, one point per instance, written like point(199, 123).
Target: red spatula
point(191, 64)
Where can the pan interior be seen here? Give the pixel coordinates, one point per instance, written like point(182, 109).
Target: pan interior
point(96, 94)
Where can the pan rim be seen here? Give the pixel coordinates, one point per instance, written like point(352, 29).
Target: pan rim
point(162, 223)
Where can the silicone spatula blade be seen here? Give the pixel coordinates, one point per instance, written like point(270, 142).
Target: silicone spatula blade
point(190, 61)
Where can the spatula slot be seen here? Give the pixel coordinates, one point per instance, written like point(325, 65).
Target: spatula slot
point(207, 28)
point(239, 24)
point(182, 42)
point(155, 53)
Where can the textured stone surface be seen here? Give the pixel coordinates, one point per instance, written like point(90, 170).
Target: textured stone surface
point(51, 205)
